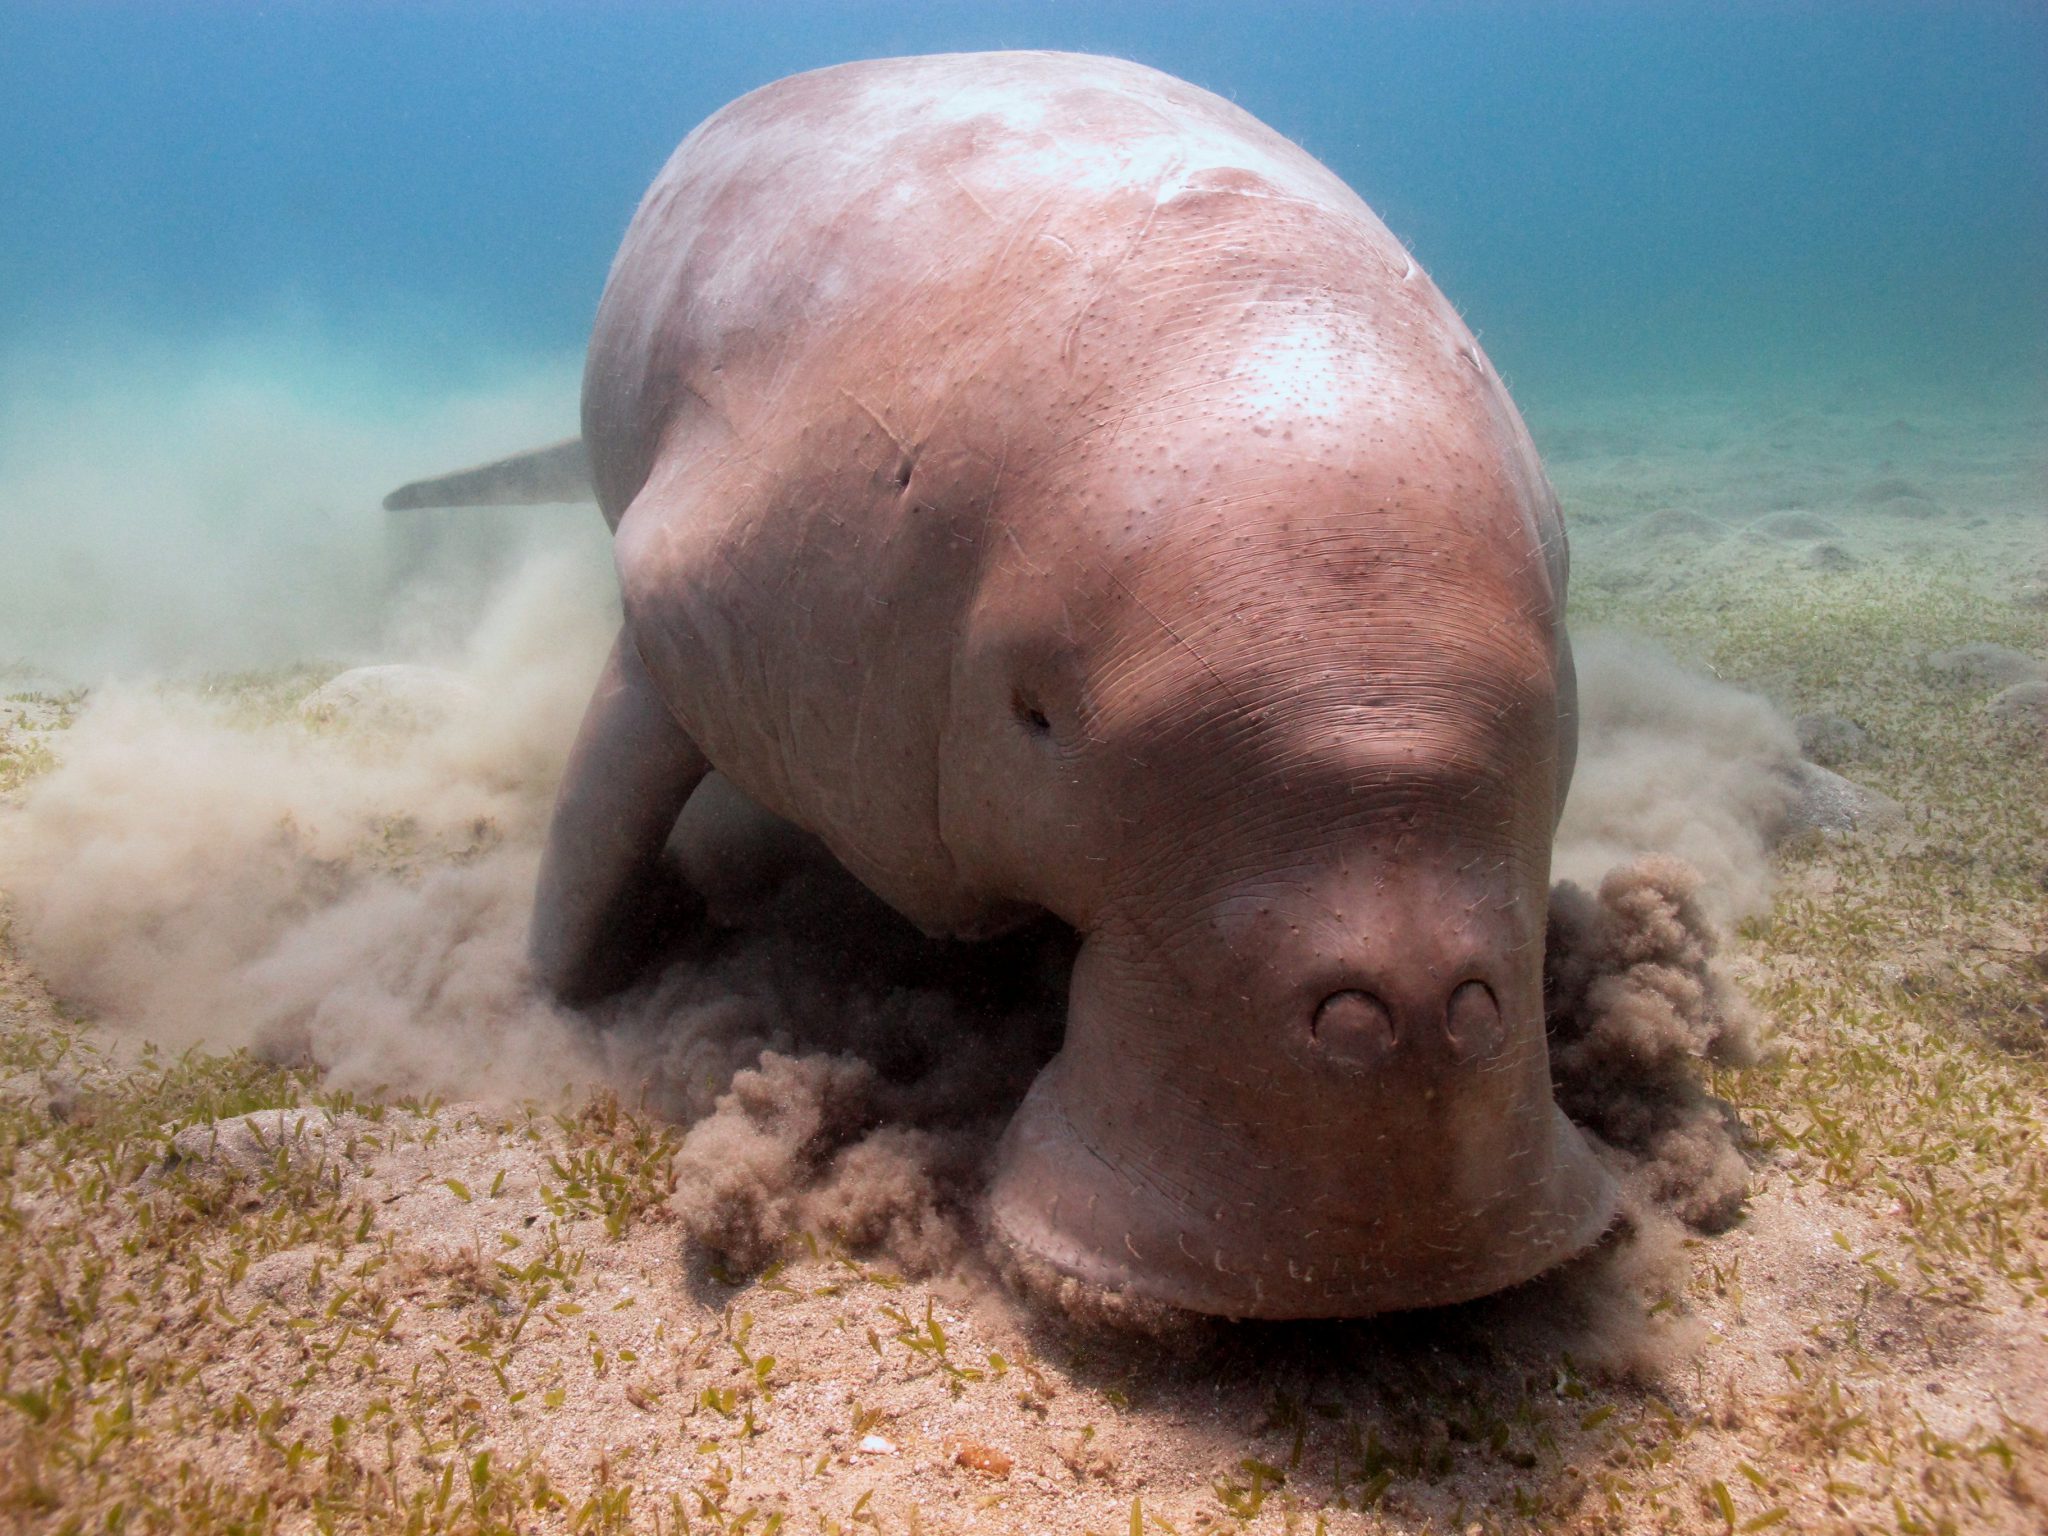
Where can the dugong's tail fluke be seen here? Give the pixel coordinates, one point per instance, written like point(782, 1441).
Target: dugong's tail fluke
point(558, 472)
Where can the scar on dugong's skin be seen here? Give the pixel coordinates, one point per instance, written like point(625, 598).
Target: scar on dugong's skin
point(1058, 492)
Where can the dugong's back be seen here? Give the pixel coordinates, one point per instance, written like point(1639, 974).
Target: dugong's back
point(841, 197)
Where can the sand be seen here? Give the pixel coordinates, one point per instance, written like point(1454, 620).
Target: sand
point(399, 1273)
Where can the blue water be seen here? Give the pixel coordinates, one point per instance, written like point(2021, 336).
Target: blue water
point(1613, 194)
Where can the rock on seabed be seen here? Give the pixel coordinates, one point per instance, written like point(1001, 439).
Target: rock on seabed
point(1824, 801)
point(2023, 706)
point(1984, 665)
point(395, 697)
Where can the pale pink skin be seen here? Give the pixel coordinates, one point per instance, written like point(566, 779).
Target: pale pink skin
point(1059, 492)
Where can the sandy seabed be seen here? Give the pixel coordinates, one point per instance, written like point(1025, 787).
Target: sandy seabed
point(425, 1254)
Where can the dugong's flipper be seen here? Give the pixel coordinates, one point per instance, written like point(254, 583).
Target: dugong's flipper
point(603, 892)
point(559, 472)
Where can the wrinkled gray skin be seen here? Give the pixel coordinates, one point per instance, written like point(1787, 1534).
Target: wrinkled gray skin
point(1058, 492)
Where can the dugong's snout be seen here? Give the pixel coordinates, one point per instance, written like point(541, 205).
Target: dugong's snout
point(1362, 1138)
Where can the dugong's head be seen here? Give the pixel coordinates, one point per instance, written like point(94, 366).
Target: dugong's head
point(1280, 718)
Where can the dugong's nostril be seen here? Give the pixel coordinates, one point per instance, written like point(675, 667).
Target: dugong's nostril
point(1353, 1029)
point(1472, 1023)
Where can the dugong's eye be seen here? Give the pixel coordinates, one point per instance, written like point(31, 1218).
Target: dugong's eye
point(1030, 713)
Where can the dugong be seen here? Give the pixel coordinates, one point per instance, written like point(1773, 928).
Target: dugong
point(1058, 492)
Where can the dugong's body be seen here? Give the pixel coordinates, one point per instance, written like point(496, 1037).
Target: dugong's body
point(1059, 492)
